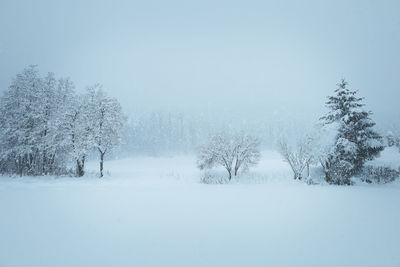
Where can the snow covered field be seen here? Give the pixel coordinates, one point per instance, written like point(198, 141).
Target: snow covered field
point(153, 212)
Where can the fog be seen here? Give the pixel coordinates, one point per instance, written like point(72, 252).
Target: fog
point(247, 58)
point(199, 133)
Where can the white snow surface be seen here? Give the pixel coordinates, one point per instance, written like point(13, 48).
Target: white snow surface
point(154, 212)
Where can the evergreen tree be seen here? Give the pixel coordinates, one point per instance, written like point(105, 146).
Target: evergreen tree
point(356, 140)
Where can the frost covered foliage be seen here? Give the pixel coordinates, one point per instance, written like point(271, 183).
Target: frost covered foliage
point(379, 174)
point(232, 152)
point(45, 125)
point(356, 141)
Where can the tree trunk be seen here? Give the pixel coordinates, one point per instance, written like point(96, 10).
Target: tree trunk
point(328, 177)
point(44, 163)
point(237, 166)
point(80, 167)
point(20, 165)
point(101, 163)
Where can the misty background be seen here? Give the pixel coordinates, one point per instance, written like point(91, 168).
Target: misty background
point(253, 60)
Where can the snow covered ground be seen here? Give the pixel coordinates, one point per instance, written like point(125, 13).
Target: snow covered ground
point(153, 212)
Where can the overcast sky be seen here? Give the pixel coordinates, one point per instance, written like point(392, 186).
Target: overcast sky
point(262, 56)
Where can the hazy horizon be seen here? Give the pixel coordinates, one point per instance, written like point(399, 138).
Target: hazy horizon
point(250, 58)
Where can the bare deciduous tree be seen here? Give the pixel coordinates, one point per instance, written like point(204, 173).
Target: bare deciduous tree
point(246, 152)
point(299, 156)
point(231, 152)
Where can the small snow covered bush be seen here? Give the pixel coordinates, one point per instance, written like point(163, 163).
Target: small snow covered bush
point(379, 174)
point(311, 181)
point(212, 178)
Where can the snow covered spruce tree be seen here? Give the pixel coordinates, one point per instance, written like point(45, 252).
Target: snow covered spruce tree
point(232, 152)
point(105, 115)
point(356, 141)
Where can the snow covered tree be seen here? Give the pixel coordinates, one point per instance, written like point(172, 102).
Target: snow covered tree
point(31, 135)
point(74, 125)
point(63, 98)
point(231, 152)
point(246, 152)
point(81, 134)
point(22, 121)
point(356, 140)
point(298, 155)
point(107, 121)
point(44, 125)
point(52, 111)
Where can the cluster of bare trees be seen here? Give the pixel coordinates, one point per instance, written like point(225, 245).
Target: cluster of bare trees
point(342, 142)
point(235, 152)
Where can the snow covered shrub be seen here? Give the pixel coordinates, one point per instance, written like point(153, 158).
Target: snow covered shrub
point(340, 173)
point(356, 140)
point(211, 178)
point(232, 152)
point(392, 139)
point(379, 174)
point(311, 181)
